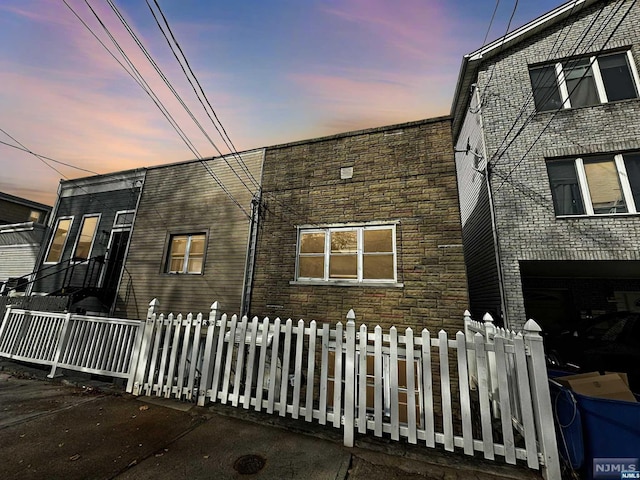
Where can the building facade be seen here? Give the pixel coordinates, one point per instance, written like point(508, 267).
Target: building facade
point(89, 236)
point(545, 123)
point(366, 220)
point(22, 231)
point(191, 236)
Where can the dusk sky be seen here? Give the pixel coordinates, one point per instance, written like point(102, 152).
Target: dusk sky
point(275, 71)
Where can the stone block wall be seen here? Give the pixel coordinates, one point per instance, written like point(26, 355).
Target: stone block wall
point(403, 174)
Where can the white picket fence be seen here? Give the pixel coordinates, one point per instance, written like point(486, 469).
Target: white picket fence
point(486, 390)
point(96, 345)
point(425, 388)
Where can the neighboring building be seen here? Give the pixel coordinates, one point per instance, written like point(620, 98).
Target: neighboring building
point(546, 122)
point(365, 220)
point(189, 245)
point(22, 231)
point(90, 230)
point(20, 210)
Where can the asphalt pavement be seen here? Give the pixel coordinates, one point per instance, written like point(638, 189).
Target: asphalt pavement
point(81, 428)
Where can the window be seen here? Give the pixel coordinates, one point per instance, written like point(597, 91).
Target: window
point(59, 239)
point(604, 184)
point(123, 219)
point(34, 216)
point(88, 229)
point(186, 253)
point(352, 254)
point(585, 81)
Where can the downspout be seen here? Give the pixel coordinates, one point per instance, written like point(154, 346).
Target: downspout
point(256, 203)
point(494, 228)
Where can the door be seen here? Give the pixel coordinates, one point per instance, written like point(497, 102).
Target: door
point(115, 260)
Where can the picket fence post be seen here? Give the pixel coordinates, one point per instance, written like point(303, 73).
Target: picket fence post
point(145, 346)
point(207, 362)
point(62, 341)
point(350, 381)
point(471, 359)
point(489, 335)
point(543, 412)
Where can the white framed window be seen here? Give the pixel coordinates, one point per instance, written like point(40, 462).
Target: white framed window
point(59, 239)
point(123, 219)
point(186, 253)
point(584, 81)
point(86, 237)
point(352, 254)
point(596, 185)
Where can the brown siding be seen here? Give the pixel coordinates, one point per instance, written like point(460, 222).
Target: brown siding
point(185, 198)
point(401, 173)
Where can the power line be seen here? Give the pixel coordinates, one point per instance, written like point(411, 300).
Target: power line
point(615, 29)
point(224, 135)
point(42, 158)
point(145, 86)
point(499, 154)
point(181, 101)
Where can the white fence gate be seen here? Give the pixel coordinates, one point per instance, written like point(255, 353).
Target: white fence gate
point(426, 388)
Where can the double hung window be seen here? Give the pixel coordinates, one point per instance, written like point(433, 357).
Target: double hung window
point(186, 253)
point(351, 254)
point(584, 81)
point(59, 240)
point(599, 185)
point(84, 243)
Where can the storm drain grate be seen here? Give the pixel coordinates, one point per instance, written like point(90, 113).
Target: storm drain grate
point(249, 464)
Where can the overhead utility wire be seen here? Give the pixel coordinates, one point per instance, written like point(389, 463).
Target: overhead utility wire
point(133, 73)
point(499, 154)
point(493, 16)
point(230, 144)
point(532, 115)
point(184, 105)
point(41, 157)
point(144, 85)
point(166, 81)
point(561, 106)
point(552, 52)
point(224, 135)
point(513, 13)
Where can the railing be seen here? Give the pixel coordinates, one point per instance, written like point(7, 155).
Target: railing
point(90, 274)
point(471, 392)
point(396, 383)
point(97, 345)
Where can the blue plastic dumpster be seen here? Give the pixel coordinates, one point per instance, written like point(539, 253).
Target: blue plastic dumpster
point(591, 428)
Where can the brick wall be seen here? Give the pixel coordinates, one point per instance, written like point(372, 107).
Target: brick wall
point(526, 223)
point(402, 173)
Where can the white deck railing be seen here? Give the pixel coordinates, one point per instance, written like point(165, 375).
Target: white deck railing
point(97, 345)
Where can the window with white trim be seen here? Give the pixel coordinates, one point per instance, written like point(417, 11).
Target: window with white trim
point(186, 253)
point(59, 239)
point(86, 237)
point(123, 219)
point(351, 254)
point(597, 185)
point(580, 82)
